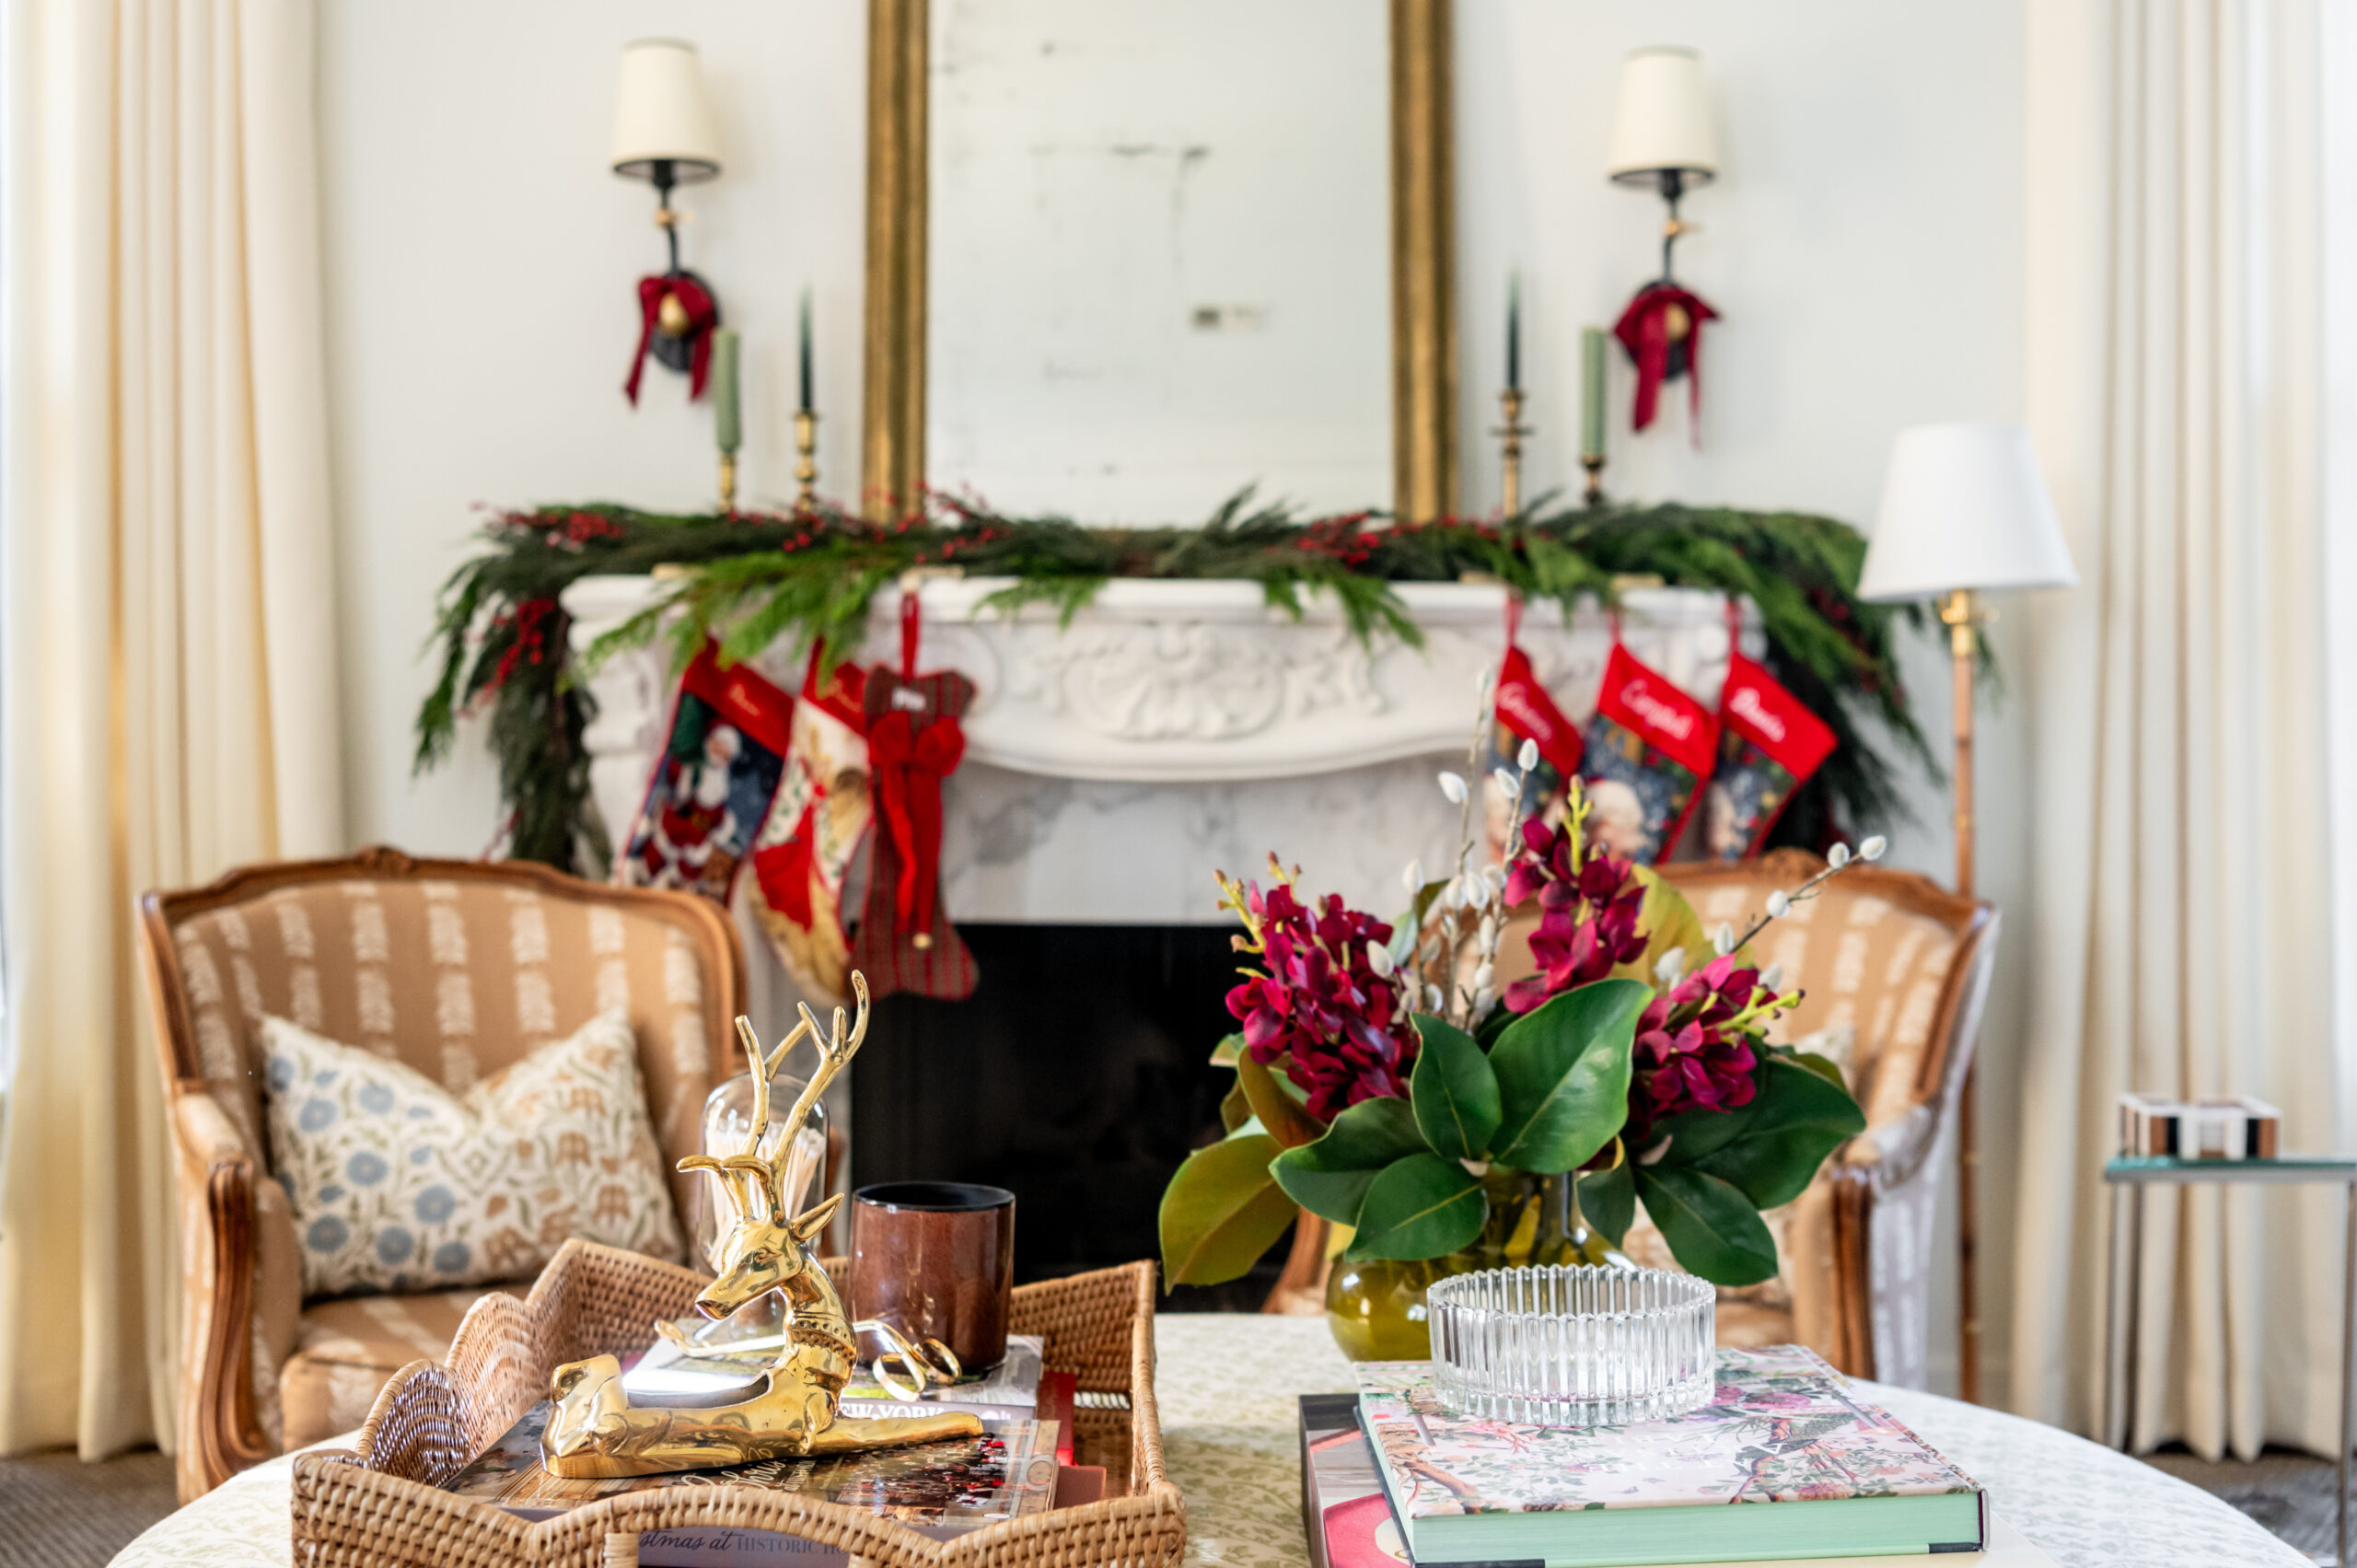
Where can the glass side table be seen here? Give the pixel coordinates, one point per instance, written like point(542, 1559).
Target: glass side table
point(2126, 1280)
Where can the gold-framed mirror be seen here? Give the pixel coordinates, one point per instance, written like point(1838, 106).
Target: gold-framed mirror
point(925, 334)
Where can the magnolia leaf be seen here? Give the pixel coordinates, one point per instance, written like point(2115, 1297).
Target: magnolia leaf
point(1421, 1206)
point(1769, 1150)
point(1713, 1230)
point(1235, 1110)
point(1609, 1199)
point(1287, 1120)
point(1824, 1067)
point(1667, 921)
point(1452, 1090)
point(1329, 1177)
point(1221, 1211)
point(1563, 1074)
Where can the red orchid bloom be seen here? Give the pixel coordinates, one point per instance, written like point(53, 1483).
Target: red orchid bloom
point(1587, 923)
point(1337, 1025)
point(1687, 1056)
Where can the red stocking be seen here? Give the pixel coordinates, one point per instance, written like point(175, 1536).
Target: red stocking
point(915, 741)
point(1648, 749)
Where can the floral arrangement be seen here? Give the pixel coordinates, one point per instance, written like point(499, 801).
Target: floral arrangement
point(1385, 1082)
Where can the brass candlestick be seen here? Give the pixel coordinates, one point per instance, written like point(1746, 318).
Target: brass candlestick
point(1594, 463)
point(1511, 432)
point(729, 482)
point(806, 463)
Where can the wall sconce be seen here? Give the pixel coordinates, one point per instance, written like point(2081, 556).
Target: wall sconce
point(664, 133)
point(1660, 138)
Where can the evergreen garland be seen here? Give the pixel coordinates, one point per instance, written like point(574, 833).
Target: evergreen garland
point(753, 578)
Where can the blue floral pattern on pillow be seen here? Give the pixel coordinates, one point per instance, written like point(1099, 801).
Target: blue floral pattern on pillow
point(399, 1185)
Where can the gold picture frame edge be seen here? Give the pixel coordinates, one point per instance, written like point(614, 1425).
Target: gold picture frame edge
point(1424, 453)
point(892, 386)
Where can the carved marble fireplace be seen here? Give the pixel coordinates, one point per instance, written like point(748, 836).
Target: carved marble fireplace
point(1171, 729)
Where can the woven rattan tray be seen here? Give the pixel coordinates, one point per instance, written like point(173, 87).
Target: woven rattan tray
point(379, 1505)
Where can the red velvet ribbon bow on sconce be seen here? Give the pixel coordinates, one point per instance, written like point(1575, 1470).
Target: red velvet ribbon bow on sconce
point(676, 315)
point(909, 762)
point(1662, 330)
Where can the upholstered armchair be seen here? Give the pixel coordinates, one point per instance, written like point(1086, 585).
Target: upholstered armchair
point(456, 969)
point(1893, 970)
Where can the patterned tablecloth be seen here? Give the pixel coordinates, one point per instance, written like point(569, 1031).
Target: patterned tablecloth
point(1227, 1384)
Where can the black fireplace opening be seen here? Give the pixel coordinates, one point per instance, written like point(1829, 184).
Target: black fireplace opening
point(1079, 1075)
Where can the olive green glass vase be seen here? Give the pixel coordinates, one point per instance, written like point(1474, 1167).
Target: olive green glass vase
point(1376, 1307)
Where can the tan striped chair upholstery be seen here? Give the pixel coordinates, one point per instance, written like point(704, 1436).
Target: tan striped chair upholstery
point(455, 967)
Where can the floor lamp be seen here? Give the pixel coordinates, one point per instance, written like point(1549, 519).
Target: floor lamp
point(1964, 511)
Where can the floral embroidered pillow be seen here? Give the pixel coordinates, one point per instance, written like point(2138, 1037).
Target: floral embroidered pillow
point(399, 1185)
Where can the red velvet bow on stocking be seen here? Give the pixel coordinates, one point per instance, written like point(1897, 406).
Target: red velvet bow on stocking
point(909, 764)
point(1662, 330)
point(702, 314)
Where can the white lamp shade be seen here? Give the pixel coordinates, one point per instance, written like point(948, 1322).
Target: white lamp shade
point(1964, 506)
point(1664, 120)
point(661, 113)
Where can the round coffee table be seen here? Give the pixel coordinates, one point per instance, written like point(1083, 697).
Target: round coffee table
point(1227, 1384)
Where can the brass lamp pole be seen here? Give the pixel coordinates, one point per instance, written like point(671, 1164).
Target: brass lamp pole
point(1962, 618)
point(1964, 510)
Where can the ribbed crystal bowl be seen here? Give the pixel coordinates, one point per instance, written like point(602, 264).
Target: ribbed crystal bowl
point(1579, 1346)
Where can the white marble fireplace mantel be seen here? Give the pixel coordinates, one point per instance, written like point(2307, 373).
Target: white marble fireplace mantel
point(1179, 727)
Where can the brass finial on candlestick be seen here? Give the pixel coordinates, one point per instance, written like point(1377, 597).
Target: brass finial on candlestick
point(1594, 463)
point(729, 482)
point(805, 462)
point(1510, 434)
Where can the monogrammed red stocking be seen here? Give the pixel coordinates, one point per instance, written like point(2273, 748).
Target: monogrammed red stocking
point(1769, 745)
point(1647, 751)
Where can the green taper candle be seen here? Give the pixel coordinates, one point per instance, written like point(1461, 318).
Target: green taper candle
point(727, 413)
point(1592, 392)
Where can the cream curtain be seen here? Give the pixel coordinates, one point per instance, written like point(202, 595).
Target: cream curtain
point(166, 655)
point(2181, 901)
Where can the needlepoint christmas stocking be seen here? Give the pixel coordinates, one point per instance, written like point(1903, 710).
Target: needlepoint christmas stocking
point(804, 862)
point(1647, 751)
point(1769, 745)
point(724, 753)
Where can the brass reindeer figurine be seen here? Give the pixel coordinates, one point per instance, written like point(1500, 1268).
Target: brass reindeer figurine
point(599, 1430)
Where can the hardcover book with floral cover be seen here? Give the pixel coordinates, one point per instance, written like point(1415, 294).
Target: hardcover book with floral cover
point(1783, 1429)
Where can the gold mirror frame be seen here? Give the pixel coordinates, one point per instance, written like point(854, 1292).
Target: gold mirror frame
point(1424, 260)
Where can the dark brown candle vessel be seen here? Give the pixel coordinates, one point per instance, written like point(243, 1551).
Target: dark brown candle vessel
point(936, 1259)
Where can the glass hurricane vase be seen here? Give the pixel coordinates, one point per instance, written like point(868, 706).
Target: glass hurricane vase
point(1376, 1308)
point(727, 1118)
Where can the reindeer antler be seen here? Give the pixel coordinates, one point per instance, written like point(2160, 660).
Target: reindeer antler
point(834, 1052)
point(752, 1186)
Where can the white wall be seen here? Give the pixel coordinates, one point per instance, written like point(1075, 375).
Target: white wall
point(481, 269)
point(1864, 242)
point(1864, 246)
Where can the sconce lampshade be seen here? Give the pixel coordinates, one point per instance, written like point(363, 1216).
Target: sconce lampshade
point(1664, 120)
point(1964, 506)
point(661, 114)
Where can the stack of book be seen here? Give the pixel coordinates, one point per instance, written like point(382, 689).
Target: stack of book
point(1389, 1477)
point(2234, 1127)
point(1022, 1465)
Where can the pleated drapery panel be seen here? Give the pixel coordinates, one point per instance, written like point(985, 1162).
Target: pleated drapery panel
point(2180, 905)
point(167, 651)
